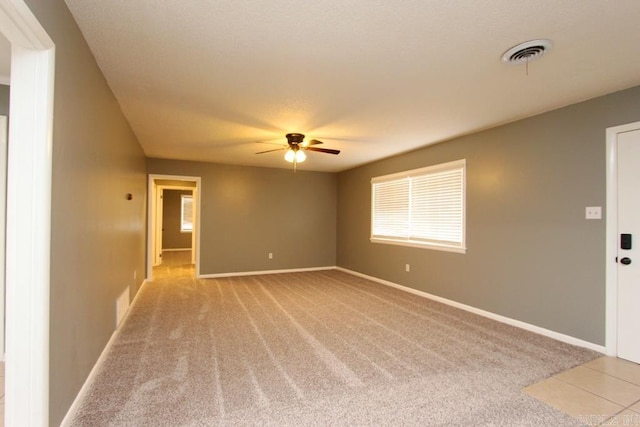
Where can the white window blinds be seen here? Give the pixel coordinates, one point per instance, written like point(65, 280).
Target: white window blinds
point(422, 207)
point(391, 208)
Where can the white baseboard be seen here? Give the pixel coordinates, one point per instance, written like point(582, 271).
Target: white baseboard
point(176, 250)
point(513, 322)
point(256, 273)
point(94, 371)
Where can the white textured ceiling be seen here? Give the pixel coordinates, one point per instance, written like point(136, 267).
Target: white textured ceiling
point(204, 79)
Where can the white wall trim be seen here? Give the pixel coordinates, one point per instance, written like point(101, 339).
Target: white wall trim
point(611, 286)
point(176, 187)
point(98, 365)
point(257, 273)
point(611, 272)
point(4, 137)
point(21, 27)
point(517, 323)
point(28, 216)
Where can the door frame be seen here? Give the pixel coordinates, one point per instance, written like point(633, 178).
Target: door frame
point(28, 215)
point(152, 225)
point(4, 139)
point(157, 213)
point(611, 270)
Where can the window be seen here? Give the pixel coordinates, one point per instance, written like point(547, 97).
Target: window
point(186, 213)
point(421, 207)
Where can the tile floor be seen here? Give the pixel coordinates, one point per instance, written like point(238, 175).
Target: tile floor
point(605, 391)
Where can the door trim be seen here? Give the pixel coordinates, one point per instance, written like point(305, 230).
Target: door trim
point(4, 139)
point(156, 224)
point(28, 215)
point(611, 271)
point(151, 211)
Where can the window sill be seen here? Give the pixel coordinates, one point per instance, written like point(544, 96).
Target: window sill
point(421, 245)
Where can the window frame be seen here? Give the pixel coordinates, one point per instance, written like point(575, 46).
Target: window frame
point(184, 197)
point(457, 247)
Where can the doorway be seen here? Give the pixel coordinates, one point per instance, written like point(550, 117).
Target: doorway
point(623, 240)
point(158, 184)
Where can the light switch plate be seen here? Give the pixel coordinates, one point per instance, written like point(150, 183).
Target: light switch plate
point(593, 212)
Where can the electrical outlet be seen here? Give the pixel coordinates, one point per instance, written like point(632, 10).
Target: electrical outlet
point(407, 267)
point(135, 274)
point(270, 255)
point(593, 212)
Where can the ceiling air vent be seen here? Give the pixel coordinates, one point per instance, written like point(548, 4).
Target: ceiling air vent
point(527, 51)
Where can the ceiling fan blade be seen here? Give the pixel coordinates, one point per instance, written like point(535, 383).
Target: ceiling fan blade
point(269, 143)
point(313, 142)
point(324, 150)
point(269, 151)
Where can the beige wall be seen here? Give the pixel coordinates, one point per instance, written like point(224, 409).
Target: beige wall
point(532, 255)
point(248, 212)
point(97, 239)
point(172, 237)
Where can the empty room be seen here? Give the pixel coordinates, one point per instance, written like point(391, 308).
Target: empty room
point(321, 213)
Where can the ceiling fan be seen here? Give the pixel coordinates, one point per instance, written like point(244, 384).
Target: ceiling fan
point(296, 148)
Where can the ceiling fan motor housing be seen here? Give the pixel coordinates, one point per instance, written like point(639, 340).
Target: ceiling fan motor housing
point(295, 138)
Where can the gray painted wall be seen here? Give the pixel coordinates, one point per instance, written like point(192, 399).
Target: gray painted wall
point(247, 212)
point(4, 100)
point(532, 256)
point(172, 237)
point(97, 239)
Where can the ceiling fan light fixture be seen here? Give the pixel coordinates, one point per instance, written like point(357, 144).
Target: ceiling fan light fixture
point(300, 156)
point(290, 155)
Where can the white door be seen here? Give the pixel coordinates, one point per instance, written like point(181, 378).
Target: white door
point(629, 259)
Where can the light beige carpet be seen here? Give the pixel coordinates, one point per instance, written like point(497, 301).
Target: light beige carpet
point(318, 348)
